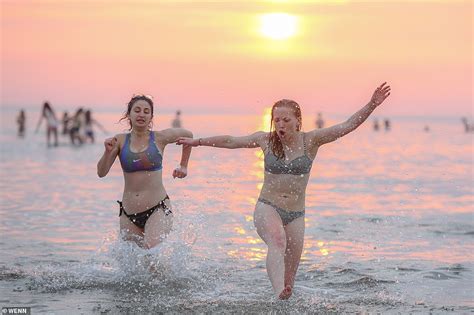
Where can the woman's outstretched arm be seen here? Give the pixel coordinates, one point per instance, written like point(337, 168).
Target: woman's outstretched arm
point(229, 142)
point(39, 122)
point(321, 136)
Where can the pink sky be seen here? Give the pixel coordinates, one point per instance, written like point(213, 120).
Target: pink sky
point(211, 56)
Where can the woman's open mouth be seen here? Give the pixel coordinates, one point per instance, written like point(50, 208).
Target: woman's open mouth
point(281, 133)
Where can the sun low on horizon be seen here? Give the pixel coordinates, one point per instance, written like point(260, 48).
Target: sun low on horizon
point(278, 26)
point(238, 53)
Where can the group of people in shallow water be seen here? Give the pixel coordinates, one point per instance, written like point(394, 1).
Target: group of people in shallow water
point(78, 127)
point(146, 213)
point(386, 124)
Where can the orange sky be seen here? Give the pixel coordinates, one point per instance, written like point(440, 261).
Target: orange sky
point(211, 55)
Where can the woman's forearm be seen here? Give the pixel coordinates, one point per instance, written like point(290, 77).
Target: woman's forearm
point(39, 123)
point(186, 153)
point(218, 142)
point(359, 117)
point(105, 163)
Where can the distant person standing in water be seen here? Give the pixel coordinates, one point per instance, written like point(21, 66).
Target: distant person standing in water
point(88, 128)
point(176, 123)
point(386, 123)
point(376, 125)
point(320, 121)
point(21, 121)
point(65, 121)
point(468, 126)
point(145, 210)
point(76, 127)
point(288, 157)
point(48, 114)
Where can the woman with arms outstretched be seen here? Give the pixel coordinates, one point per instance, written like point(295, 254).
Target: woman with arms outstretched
point(289, 154)
point(145, 210)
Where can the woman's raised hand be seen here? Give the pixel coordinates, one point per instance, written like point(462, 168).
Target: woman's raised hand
point(380, 94)
point(111, 144)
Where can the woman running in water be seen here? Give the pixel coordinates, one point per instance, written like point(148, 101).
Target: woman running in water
point(145, 210)
point(289, 154)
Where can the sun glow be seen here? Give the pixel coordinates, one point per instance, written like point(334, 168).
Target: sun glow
point(278, 26)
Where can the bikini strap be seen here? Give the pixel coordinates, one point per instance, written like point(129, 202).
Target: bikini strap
point(162, 202)
point(152, 136)
point(266, 145)
point(121, 207)
point(268, 149)
point(304, 143)
point(166, 210)
point(126, 145)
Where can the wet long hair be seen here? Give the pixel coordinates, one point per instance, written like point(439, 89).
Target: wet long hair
point(88, 117)
point(130, 104)
point(48, 108)
point(274, 142)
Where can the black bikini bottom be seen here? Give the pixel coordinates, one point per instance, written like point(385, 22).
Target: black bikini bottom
point(140, 218)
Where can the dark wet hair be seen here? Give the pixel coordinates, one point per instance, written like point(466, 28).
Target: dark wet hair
point(132, 102)
point(274, 141)
point(88, 116)
point(79, 112)
point(47, 107)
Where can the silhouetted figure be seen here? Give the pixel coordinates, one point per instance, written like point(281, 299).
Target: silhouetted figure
point(21, 121)
point(376, 125)
point(426, 129)
point(176, 123)
point(65, 121)
point(88, 122)
point(468, 126)
point(320, 121)
point(386, 123)
point(77, 126)
point(51, 123)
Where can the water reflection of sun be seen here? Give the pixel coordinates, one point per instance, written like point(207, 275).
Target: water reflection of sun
point(266, 117)
point(264, 126)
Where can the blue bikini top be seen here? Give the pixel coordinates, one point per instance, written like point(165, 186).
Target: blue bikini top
point(298, 166)
point(148, 160)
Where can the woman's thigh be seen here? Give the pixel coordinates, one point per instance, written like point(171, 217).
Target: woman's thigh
point(268, 223)
point(158, 226)
point(129, 231)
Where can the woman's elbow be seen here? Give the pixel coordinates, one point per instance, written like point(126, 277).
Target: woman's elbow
point(231, 143)
point(101, 173)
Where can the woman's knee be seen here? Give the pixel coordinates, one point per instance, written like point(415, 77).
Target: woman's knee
point(150, 242)
point(153, 239)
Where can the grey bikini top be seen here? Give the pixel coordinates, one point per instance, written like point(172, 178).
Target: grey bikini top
point(298, 166)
